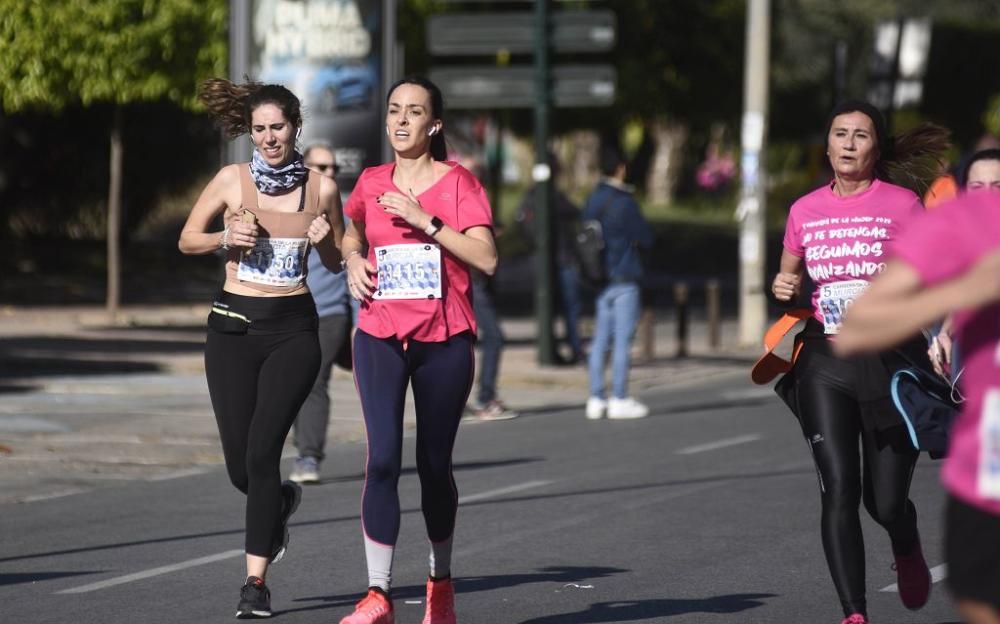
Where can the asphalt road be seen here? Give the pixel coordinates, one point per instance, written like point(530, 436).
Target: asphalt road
point(705, 512)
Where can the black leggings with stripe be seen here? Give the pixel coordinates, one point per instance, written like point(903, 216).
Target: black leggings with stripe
point(257, 382)
point(441, 376)
point(878, 474)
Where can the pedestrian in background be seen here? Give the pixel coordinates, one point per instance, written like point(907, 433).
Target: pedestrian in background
point(840, 233)
point(625, 231)
point(261, 351)
point(333, 306)
point(488, 405)
point(566, 224)
point(425, 222)
point(949, 263)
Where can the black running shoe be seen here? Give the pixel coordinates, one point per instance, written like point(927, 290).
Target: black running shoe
point(291, 496)
point(255, 600)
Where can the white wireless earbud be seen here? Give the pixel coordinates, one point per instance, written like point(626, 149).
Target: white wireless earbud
point(387, 133)
point(432, 131)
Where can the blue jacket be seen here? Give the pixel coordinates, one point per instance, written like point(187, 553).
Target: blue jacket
point(625, 230)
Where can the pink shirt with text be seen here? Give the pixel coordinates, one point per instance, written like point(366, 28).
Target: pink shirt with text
point(941, 246)
point(459, 200)
point(844, 241)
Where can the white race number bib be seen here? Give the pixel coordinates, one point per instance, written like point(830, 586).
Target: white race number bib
point(274, 262)
point(835, 299)
point(410, 271)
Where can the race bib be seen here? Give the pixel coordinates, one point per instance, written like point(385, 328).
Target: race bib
point(834, 299)
point(988, 478)
point(408, 271)
point(274, 262)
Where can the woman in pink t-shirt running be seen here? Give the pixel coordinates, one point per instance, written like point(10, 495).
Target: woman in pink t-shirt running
point(839, 234)
point(949, 262)
point(424, 222)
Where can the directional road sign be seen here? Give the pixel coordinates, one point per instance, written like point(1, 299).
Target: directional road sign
point(488, 86)
point(459, 34)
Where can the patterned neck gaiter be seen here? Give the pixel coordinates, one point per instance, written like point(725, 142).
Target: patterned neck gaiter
point(272, 181)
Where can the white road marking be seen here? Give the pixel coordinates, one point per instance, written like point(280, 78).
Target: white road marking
point(145, 574)
point(938, 573)
point(138, 576)
point(718, 444)
point(748, 393)
point(520, 487)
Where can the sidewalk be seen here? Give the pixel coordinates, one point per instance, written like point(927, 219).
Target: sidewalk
point(88, 403)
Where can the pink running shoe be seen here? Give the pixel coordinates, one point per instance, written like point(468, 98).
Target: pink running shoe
point(375, 608)
point(855, 618)
point(440, 602)
point(913, 578)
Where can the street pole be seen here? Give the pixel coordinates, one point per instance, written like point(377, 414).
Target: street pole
point(753, 197)
point(542, 176)
point(239, 65)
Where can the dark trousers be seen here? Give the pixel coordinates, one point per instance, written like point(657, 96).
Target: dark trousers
point(311, 424)
point(257, 382)
point(441, 376)
point(879, 474)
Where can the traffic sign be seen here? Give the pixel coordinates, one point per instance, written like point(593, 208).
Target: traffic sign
point(488, 33)
point(488, 86)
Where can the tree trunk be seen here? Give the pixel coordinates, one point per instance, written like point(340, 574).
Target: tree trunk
point(115, 217)
point(661, 182)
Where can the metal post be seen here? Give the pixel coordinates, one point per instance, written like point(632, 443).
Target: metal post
point(392, 65)
point(647, 334)
point(681, 302)
point(239, 65)
point(713, 313)
point(753, 201)
point(542, 175)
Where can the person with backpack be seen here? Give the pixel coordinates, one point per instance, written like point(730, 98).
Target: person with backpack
point(566, 225)
point(612, 210)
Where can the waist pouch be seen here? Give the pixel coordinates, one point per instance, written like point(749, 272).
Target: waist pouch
point(229, 322)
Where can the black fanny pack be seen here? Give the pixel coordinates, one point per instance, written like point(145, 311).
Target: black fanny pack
point(229, 322)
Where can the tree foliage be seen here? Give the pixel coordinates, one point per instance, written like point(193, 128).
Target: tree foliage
point(55, 54)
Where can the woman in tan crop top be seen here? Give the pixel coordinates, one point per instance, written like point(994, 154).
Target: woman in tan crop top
point(262, 352)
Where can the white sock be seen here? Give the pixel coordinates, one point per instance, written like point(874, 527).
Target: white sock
point(440, 559)
point(379, 557)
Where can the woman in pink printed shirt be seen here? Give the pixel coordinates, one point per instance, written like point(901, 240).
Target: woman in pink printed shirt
point(840, 233)
point(949, 262)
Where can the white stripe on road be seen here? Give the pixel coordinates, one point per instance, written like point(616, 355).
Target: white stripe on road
point(718, 444)
point(229, 554)
point(747, 394)
point(520, 487)
point(938, 573)
point(138, 576)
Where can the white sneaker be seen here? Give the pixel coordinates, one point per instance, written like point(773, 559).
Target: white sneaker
point(621, 409)
point(596, 407)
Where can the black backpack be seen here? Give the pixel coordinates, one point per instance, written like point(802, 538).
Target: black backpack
point(588, 243)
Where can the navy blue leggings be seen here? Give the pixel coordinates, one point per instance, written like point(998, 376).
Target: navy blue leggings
point(441, 376)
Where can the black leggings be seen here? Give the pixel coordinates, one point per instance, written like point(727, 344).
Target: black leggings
point(441, 376)
point(831, 422)
point(257, 382)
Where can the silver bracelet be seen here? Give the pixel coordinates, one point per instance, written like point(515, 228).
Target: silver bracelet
point(224, 240)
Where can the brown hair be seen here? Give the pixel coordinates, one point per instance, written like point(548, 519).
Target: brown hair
point(911, 159)
point(233, 104)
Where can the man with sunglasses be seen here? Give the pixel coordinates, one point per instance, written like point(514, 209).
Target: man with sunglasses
point(333, 306)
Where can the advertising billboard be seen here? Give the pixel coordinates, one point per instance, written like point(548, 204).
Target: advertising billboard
point(329, 53)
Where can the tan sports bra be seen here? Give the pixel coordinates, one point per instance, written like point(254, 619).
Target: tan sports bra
point(277, 264)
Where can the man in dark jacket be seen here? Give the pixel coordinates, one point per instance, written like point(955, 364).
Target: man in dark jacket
point(617, 306)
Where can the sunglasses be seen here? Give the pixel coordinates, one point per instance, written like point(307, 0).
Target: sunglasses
point(324, 167)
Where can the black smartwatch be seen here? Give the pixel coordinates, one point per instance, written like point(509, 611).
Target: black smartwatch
point(435, 226)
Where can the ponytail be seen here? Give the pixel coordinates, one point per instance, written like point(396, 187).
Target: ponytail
point(915, 157)
point(233, 104)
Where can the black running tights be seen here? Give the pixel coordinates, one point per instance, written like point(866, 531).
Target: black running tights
point(257, 384)
point(877, 474)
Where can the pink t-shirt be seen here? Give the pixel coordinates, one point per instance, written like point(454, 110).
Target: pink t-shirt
point(941, 246)
point(459, 200)
point(844, 241)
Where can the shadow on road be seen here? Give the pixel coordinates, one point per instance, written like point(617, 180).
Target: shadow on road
point(636, 610)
